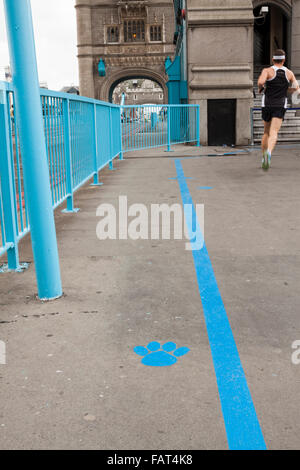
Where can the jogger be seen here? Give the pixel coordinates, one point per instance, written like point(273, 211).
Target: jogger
point(275, 82)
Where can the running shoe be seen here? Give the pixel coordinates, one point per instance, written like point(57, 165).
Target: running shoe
point(269, 155)
point(265, 161)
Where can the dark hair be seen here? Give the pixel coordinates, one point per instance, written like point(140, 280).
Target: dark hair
point(279, 52)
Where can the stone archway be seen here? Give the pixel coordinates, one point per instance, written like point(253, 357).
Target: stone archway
point(274, 33)
point(108, 84)
point(284, 5)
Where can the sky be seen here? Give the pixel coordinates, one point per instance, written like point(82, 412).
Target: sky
point(56, 39)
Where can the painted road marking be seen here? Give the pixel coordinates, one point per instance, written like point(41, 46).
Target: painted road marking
point(241, 422)
point(187, 178)
point(157, 355)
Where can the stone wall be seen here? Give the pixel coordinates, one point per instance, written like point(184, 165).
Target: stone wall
point(220, 58)
point(295, 39)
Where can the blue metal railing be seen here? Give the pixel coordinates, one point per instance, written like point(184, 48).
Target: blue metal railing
point(150, 126)
point(13, 211)
point(64, 140)
point(82, 137)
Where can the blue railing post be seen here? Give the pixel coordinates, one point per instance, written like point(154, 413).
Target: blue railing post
point(198, 125)
point(33, 147)
point(121, 123)
point(121, 134)
point(111, 163)
point(96, 181)
point(7, 182)
point(169, 129)
point(68, 155)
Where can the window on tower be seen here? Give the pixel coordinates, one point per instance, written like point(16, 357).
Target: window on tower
point(113, 34)
point(134, 31)
point(155, 33)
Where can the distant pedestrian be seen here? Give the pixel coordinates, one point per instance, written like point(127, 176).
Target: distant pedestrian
point(12, 118)
point(12, 114)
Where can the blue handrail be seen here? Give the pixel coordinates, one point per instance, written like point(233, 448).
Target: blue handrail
point(82, 137)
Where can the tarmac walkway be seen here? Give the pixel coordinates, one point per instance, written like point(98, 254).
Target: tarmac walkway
point(72, 379)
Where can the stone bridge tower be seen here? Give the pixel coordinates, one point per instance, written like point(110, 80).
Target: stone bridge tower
point(128, 38)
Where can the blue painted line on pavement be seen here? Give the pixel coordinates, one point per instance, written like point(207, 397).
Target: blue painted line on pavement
point(205, 187)
point(188, 178)
point(241, 422)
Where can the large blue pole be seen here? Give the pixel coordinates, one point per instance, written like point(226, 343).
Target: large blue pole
point(33, 147)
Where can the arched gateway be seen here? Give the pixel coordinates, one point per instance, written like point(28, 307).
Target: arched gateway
point(133, 73)
point(272, 31)
point(123, 39)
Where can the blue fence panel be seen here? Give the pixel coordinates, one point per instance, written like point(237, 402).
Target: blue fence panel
point(103, 135)
point(183, 124)
point(82, 136)
point(144, 127)
point(22, 213)
point(115, 131)
point(81, 128)
point(13, 214)
point(150, 126)
point(22, 222)
point(54, 134)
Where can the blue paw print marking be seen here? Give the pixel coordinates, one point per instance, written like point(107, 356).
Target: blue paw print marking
point(156, 355)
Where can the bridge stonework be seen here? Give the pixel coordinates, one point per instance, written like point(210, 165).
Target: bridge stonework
point(222, 68)
point(225, 65)
point(226, 49)
point(132, 37)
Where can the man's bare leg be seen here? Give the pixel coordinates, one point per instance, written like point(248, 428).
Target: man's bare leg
point(273, 136)
point(265, 139)
point(276, 124)
point(265, 143)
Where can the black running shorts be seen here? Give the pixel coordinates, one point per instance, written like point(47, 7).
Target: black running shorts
point(268, 113)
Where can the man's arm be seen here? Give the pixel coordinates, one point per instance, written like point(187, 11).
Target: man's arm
point(262, 80)
point(295, 85)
